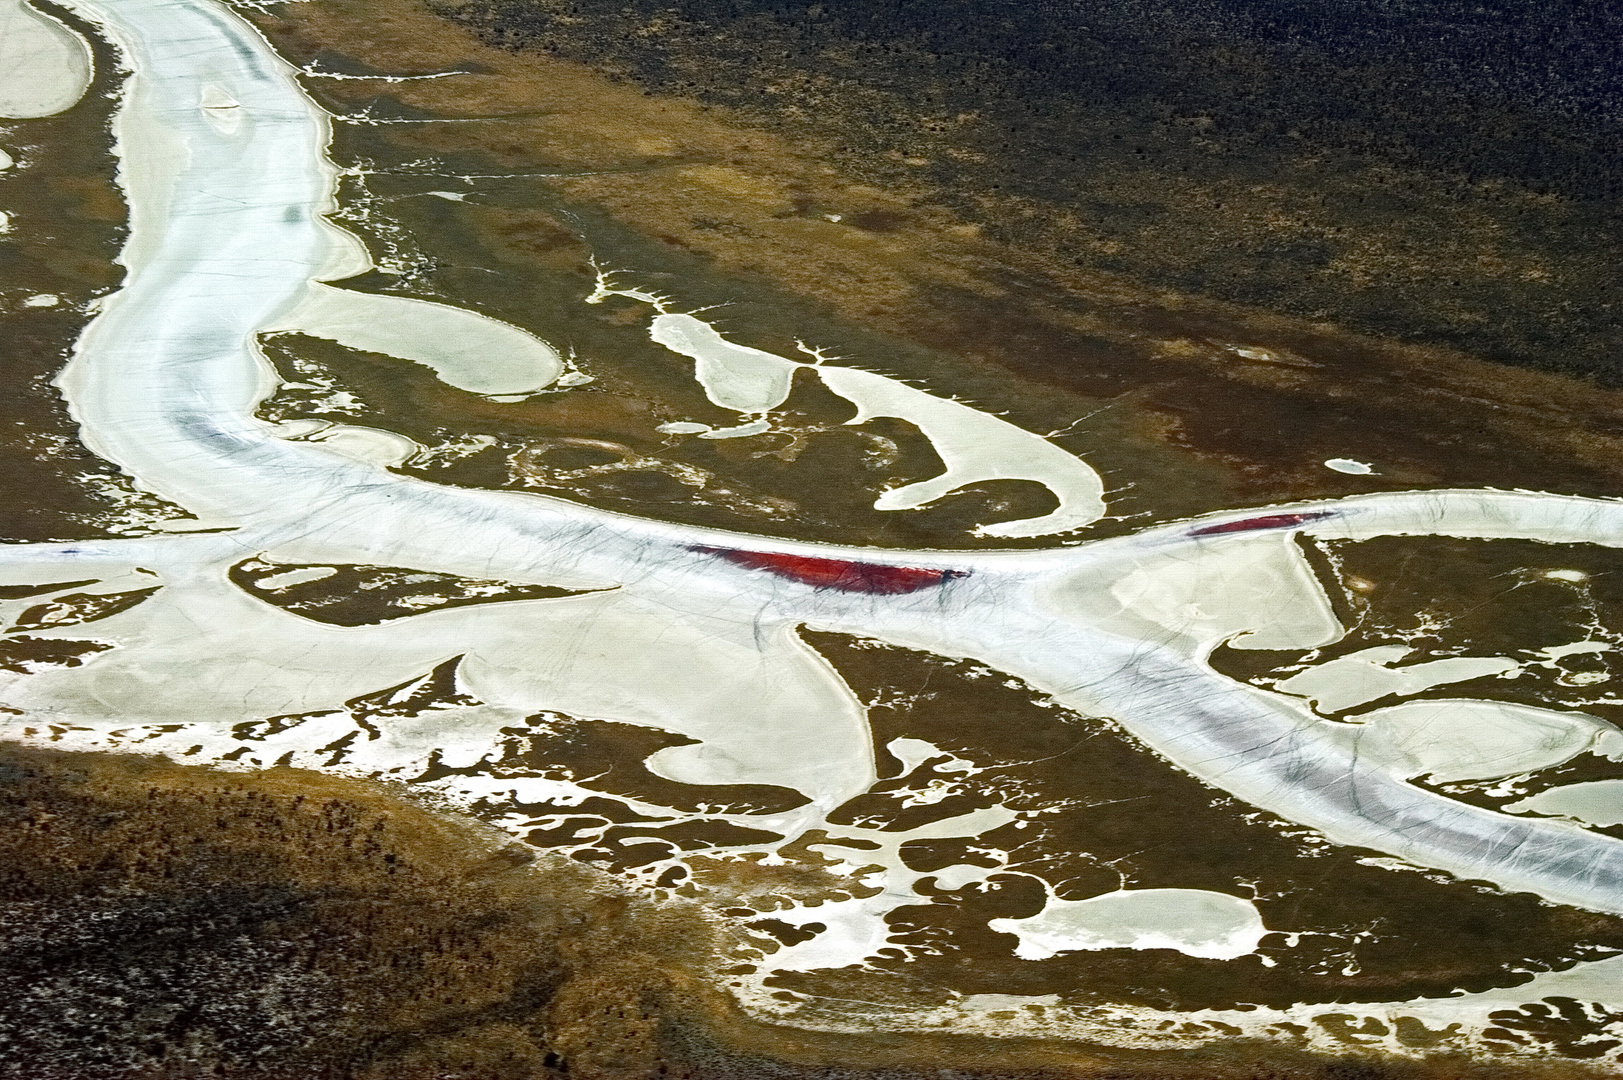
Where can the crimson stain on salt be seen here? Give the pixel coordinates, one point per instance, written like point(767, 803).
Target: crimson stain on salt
point(840, 574)
point(1269, 521)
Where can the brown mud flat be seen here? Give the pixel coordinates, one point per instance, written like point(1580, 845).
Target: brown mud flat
point(170, 921)
point(1251, 400)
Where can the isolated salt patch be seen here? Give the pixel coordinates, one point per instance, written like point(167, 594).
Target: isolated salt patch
point(1457, 739)
point(1349, 466)
point(1195, 922)
point(682, 427)
point(6, 161)
point(734, 376)
point(466, 350)
point(1367, 675)
point(42, 300)
point(1598, 802)
point(5, 222)
point(302, 576)
point(975, 447)
point(371, 445)
point(222, 111)
point(45, 67)
point(742, 431)
point(1575, 648)
point(1005, 1002)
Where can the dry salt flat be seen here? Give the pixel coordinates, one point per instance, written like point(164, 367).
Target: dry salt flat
point(684, 629)
point(45, 67)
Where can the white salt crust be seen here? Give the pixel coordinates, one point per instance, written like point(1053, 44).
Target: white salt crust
point(45, 67)
point(224, 164)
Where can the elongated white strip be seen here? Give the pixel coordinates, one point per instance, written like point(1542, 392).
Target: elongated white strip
point(1195, 922)
point(733, 376)
point(975, 446)
point(467, 350)
point(45, 67)
point(1366, 675)
point(227, 231)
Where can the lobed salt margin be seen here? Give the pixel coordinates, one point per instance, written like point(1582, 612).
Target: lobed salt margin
point(975, 446)
point(165, 381)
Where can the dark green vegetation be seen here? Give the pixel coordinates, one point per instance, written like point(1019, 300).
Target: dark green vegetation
point(1418, 170)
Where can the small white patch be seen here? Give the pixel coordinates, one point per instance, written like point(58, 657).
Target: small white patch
point(1195, 922)
point(1005, 1002)
point(6, 161)
point(683, 427)
point(452, 196)
point(1566, 575)
point(742, 431)
point(1556, 652)
point(1349, 466)
point(222, 111)
point(42, 300)
point(382, 448)
point(303, 575)
point(466, 350)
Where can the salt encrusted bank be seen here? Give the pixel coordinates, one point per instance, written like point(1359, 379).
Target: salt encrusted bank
point(683, 629)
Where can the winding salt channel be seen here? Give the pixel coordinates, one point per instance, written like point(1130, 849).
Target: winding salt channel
point(225, 167)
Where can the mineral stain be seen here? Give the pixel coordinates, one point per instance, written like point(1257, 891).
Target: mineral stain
point(839, 574)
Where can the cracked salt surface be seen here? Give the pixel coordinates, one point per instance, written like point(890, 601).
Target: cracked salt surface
point(683, 639)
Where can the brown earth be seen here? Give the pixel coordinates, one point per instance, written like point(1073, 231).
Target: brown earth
point(1261, 397)
point(165, 921)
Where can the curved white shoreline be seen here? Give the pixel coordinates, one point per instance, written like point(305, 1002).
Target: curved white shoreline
point(227, 230)
point(45, 66)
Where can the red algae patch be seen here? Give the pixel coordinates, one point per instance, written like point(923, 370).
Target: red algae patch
point(839, 574)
